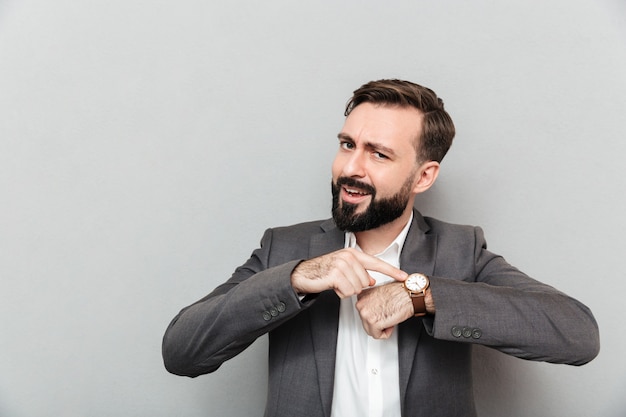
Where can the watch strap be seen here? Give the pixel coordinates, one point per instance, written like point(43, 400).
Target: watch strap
point(419, 304)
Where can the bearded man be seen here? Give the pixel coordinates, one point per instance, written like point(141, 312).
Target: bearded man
point(375, 311)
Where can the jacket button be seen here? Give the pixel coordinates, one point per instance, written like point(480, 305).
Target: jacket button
point(476, 333)
point(267, 316)
point(457, 331)
point(281, 307)
point(273, 312)
point(467, 332)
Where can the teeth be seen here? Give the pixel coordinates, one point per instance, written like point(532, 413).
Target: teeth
point(352, 191)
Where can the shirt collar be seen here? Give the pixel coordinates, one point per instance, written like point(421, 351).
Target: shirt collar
point(397, 244)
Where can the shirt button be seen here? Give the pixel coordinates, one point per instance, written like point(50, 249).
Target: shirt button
point(374, 371)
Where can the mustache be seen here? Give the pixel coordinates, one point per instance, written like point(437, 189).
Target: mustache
point(351, 182)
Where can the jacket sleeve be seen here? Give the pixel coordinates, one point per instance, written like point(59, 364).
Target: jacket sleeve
point(498, 306)
point(256, 299)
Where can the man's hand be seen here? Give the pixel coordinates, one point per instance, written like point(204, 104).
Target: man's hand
point(344, 271)
point(382, 308)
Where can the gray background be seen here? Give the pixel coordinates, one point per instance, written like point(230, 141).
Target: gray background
point(146, 145)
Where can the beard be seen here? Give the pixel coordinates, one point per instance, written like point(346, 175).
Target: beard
point(378, 212)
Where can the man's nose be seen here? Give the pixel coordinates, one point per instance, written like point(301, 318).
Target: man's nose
point(355, 165)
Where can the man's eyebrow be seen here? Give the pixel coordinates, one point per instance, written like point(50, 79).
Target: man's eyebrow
point(378, 147)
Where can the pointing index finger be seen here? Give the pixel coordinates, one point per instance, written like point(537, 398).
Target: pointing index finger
point(374, 264)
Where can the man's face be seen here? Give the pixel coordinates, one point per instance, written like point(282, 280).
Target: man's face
point(376, 169)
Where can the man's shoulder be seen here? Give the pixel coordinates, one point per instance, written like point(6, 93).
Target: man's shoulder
point(454, 237)
point(437, 226)
point(305, 228)
point(303, 239)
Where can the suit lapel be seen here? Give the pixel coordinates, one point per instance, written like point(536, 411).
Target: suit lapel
point(418, 255)
point(325, 321)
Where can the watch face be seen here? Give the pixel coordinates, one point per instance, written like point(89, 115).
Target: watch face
point(416, 282)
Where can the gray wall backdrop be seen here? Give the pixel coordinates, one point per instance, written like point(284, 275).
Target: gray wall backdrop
point(146, 145)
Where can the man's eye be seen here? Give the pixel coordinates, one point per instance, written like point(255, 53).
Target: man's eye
point(346, 145)
point(379, 155)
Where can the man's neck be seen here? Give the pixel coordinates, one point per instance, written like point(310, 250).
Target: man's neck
point(377, 240)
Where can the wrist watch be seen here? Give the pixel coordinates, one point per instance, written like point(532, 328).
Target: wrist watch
point(416, 284)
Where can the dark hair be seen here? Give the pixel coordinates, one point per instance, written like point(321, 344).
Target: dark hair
point(438, 128)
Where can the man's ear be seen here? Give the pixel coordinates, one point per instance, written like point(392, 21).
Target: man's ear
point(425, 177)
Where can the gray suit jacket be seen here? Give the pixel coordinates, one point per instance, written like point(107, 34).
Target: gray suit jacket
point(479, 297)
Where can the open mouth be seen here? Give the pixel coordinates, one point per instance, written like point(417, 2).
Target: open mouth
point(353, 195)
point(353, 192)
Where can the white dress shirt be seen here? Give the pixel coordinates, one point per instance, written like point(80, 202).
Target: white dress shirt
point(366, 370)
